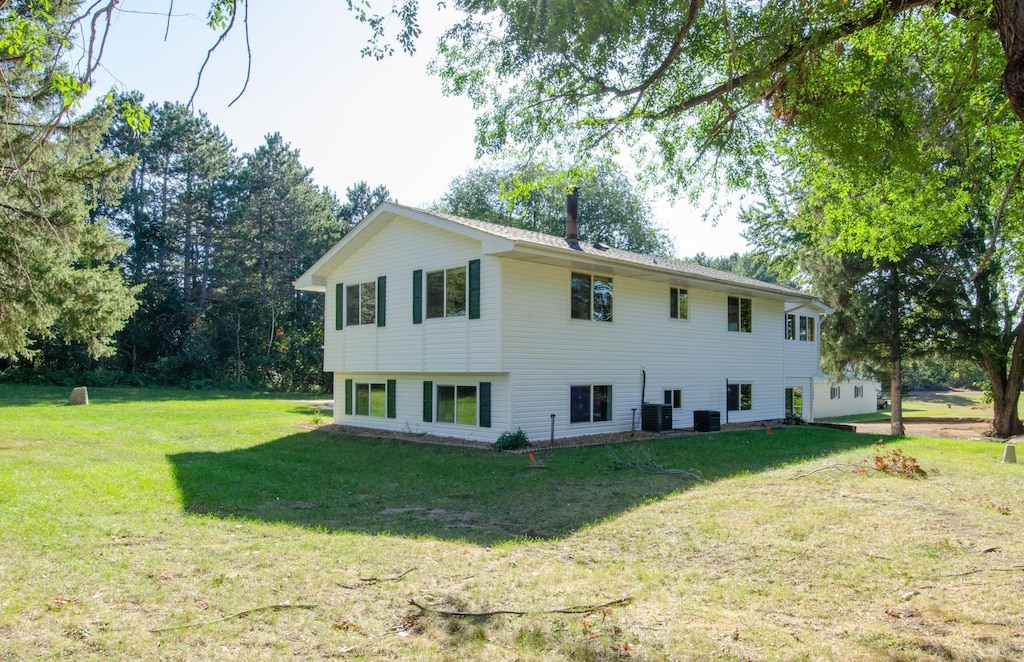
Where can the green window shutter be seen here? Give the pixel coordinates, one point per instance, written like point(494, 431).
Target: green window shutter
point(428, 402)
point(485, 404)
point(339, 306)
point(674, 303)
point(417, 296)
point(392, 399)
point(348, 397)
point(382, 299)
point(474, 289)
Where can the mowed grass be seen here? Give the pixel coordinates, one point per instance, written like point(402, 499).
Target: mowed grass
point(171, 525)
point(954, 403)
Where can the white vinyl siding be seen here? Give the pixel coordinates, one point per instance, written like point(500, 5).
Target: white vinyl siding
point(546, 352)
point(449, 344)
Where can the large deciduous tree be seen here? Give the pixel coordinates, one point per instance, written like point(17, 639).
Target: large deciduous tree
point(532, 197)
point(905, 160)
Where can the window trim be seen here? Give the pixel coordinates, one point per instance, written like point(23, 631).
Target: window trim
point(674, 397)
point(744, 314)
point(592, 313)
point(739, 398)
point(365, 305)
point(387, 398)
point(801, 327)
point(457, 393)
point(470, 295)
point(592, 399)
point(679, 303)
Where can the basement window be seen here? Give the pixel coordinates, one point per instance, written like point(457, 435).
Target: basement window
point(740, 397)
point(371, 400)
point(590, 404)
point(456, 404)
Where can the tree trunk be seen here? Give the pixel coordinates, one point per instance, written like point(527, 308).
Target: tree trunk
point(1009, 20)
point(188, 259)
point(896, 398)
point(895, 340)
point(238, 349)
point(1004, 377)
point(204, 276)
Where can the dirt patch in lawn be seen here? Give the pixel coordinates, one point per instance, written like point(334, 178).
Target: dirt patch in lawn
point(946, 428)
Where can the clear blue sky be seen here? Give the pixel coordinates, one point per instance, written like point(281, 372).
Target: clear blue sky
point(352, 118)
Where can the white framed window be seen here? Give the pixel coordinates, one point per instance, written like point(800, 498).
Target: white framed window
point(806, 328)
point(834, 392)
point(679, 303)
point(590, 403)
point(858, 391)
point(371, 400)
point(446, 293)
point(800, 327)
point(740, 314)
point(361, 303)
point(590, 297)
point(457, 404)
point(674, 398)
point(739, 397)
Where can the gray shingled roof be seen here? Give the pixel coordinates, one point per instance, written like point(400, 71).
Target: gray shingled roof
point(689, 269)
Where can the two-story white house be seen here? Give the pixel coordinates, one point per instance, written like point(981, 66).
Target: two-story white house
point(449, 326)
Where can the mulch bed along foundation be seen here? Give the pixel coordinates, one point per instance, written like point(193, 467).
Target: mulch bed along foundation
point(566, 442)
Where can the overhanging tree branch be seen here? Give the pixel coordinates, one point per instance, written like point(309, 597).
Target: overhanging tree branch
point(790, 54)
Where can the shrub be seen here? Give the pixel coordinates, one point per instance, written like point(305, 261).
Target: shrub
point(510, 441)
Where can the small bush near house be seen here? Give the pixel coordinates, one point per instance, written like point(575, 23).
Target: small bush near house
point(510, 441)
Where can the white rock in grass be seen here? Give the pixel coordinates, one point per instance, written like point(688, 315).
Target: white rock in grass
point(79, 396)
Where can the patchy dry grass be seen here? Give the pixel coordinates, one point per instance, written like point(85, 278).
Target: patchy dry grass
point(164, 526)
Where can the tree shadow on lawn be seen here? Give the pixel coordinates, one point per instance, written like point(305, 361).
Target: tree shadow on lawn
point(339, 482)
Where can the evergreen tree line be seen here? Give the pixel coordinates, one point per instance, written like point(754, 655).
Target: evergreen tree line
point(214, 241)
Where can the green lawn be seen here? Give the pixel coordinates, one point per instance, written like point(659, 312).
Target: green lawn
point(934, 404)
point(142, 526)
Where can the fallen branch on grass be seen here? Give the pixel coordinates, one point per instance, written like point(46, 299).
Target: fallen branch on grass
point(639, 458)
point(237, 614)
point(579, 609)
point(369, 581)
point(828, 467)
point(884, 460)
point(1014, 568)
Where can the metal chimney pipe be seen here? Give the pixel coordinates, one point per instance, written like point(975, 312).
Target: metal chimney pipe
point(572, 213)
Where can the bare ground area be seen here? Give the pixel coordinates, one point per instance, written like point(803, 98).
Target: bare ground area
point(949, 428)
